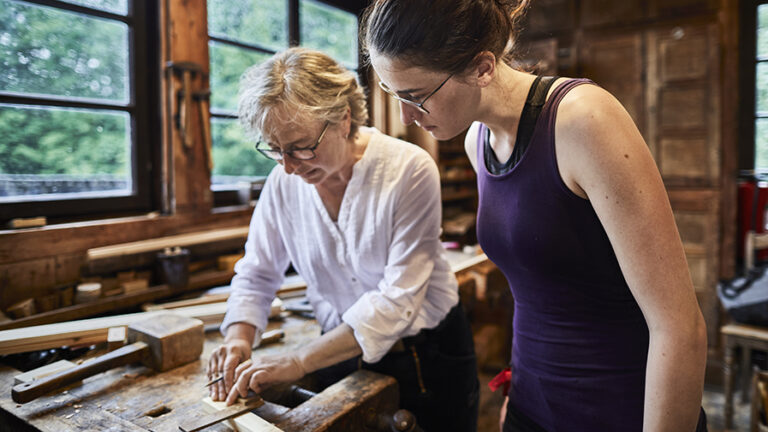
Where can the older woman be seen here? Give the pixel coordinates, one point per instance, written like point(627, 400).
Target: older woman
point(357, 213)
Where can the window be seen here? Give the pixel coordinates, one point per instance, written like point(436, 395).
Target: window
point(754, 77)
point(243, 33)
point(76, 107)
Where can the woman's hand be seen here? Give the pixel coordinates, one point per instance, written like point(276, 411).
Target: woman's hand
point(224, 361)
point(263, 372)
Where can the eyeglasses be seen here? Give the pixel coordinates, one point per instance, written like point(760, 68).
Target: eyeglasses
point(304, 153)
point(419, 105)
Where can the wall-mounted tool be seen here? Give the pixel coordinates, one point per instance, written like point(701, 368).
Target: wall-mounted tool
point(187, 71)
point(203, 99)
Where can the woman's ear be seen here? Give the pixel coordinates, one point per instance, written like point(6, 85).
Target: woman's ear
point(347, 120)
point(483, 68)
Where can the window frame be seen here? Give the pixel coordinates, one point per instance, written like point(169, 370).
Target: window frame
point(748, 61)
point(143, 107)
point(229, 195)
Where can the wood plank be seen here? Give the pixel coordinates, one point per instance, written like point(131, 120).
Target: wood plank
point(221, 412)
point(247, 422)
point(180, 240)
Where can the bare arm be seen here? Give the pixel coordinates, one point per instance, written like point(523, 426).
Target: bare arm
point(603, 157)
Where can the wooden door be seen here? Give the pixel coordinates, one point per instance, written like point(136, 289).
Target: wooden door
point(676, 8)
point(549, 16)
point(612, 12)
point(616, 63)
point(684, 105)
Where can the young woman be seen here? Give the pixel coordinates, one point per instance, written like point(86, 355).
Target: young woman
point(608, 335)
point(358, 215)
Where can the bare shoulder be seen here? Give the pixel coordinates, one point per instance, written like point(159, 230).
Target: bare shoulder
point(470, 144)
point(596, 137)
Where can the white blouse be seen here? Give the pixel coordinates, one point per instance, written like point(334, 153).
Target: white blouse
point(381, 268)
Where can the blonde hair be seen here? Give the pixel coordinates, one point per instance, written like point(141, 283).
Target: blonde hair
point(299, 85)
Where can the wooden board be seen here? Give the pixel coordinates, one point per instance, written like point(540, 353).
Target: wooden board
point(158, 244)
point(248, 422)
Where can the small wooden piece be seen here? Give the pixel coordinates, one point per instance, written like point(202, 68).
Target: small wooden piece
point(27, 222)
point(162, 343)
point(134, 286)
point(227, 262)
point(47, 302)
point(22, 309)
point(222, 413)
point(115, 338)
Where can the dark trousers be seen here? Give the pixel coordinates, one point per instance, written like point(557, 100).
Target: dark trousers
point(436, 371)
point(515, 421)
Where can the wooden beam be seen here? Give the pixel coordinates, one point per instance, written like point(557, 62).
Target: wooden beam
point(180, 240)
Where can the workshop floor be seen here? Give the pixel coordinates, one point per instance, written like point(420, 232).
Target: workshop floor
point(713, 405)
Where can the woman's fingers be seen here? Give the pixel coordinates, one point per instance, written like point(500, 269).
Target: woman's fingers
point(240, 388)
point(230, 367)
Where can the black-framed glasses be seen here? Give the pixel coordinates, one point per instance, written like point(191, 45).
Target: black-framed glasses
point(419, 105)
point(303, 153)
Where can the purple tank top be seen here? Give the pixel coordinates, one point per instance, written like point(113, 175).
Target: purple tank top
point(580, 340)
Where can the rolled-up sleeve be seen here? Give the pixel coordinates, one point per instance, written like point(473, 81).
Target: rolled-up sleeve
point(259, 274)
point(380, 317)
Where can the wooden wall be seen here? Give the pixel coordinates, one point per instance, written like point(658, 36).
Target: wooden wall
point(674, 66)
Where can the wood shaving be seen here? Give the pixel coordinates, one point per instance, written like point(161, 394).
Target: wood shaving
point(68, 416)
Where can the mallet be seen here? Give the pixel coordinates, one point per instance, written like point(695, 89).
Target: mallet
point(161, 342)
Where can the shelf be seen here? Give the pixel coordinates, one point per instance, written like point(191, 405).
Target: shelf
point(460, 179)
point(456, 196)
point(108, 304)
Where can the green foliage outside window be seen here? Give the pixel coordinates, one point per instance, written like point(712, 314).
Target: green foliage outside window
point(330, 30)
point(54, 52)
point(761, 90)
point(263, 24)
point(48, 52)
point(63, 141)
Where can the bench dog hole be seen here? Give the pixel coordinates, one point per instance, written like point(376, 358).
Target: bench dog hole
point(158, 411)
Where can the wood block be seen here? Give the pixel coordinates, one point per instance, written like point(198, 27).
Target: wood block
point(66, 296)
point(115, 338)
point(134, 286)
point(27, 222)
point(47, 303)
point(22, 309)
point(227, 262)
point(43, 371)
point(248, 422)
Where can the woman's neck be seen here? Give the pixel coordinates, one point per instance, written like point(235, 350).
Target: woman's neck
point(502, 103)
point(338, 181)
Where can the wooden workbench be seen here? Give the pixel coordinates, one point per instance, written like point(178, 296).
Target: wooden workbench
point(121, 399)
point(135, 398)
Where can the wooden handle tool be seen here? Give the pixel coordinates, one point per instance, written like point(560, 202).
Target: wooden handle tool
point(26, 392)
